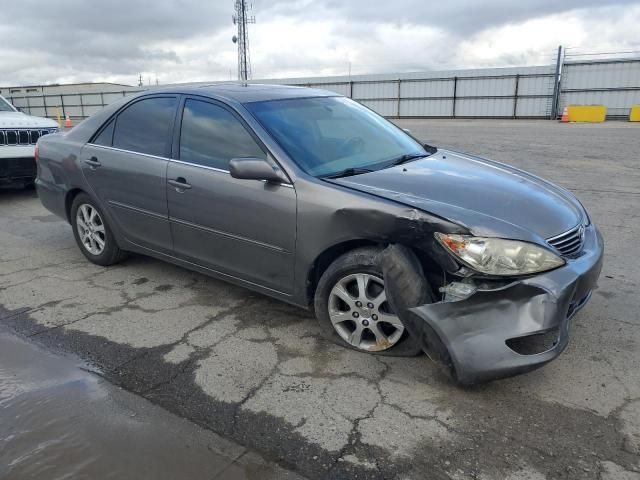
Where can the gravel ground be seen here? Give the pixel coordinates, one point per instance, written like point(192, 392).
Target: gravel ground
point(258, 372)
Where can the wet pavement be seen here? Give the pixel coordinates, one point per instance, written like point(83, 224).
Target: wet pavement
point(59, 420)
point(259, 372)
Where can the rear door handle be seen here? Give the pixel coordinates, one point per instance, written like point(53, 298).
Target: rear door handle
point(93, 162)
point(179, 184)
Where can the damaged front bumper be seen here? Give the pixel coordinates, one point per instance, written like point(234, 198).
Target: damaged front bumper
point(506, 331)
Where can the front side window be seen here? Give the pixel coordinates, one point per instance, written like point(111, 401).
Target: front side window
point(211, 136)
point(326, 135)
point(143, 127)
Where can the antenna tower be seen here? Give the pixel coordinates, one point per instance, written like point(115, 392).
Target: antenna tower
point(242, 18)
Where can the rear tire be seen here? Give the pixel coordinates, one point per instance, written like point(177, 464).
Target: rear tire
point(351, 308)
point(92, 232)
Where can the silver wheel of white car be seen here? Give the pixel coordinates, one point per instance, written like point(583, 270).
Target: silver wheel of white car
point(90, 229)
point(361, 315)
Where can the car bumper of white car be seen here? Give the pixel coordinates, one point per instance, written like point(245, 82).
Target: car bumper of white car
point(17, 165)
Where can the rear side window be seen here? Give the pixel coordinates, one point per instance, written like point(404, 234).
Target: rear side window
point(212, 136)
point(106, 135)
point(144, 126)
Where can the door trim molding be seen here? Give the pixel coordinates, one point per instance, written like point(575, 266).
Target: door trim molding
point(175, 160)
point(106, 147)
point(125, 206)
point(228, 235)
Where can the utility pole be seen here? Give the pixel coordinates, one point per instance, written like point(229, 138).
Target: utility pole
point(242, 18)
point(140, 81)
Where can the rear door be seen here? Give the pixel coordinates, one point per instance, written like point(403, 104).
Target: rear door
point(126, 165)
point(243, 228)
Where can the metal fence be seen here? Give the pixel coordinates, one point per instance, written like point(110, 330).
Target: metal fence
point(519, 92)
point(77, 105)
point(613, 82)
point(506, 95)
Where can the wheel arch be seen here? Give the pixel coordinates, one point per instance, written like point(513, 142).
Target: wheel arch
point(325, 258)
point(68, 201)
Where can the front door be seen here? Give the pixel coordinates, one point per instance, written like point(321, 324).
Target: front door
point(126, 166)
point(242, 228)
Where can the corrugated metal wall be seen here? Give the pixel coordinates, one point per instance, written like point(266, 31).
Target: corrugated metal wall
point(518, 92)
point(613, 83)
point(76, 105)
point(521, 92)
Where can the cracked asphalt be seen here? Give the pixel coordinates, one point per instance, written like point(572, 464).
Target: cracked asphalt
point(258, 371)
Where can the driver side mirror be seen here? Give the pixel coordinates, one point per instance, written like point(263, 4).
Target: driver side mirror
point(256, 169)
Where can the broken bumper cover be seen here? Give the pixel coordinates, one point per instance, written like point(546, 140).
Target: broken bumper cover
point(478, 335)
point(499, 332)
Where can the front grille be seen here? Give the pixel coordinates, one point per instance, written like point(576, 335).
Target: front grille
point(23, 136)
point(569, 243)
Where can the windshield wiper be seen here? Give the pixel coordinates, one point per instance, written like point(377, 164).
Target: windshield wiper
point(347, 172)
point(407, 158)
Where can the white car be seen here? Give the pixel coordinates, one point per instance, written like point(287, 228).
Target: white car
point(18, 136)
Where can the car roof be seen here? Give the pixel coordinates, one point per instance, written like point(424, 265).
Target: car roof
point(241, 93)
point(248, 92)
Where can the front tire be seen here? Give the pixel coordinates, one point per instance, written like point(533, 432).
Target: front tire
point(352, 310)
point(92, 233)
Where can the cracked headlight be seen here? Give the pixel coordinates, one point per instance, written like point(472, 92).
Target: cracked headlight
point(497, 256)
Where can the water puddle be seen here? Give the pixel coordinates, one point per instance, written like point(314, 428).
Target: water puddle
point(60, 421)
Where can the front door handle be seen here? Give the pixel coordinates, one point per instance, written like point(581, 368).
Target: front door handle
point(180, 184)
point(93, 163)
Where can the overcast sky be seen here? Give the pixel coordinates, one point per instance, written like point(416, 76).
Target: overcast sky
point(190, 40)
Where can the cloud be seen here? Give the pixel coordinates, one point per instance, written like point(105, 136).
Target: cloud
point(190, 40)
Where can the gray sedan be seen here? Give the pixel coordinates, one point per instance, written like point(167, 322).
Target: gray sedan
point(313, 199)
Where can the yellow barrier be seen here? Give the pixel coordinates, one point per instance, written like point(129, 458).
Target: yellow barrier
point(587, 113)
point(634, 115)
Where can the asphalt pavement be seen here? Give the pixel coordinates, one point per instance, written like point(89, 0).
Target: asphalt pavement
point(258, 372)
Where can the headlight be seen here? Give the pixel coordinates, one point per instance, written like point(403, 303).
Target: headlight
point(497, 256)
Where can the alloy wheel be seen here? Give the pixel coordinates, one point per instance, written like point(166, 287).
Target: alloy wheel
point(90, 229)
point(361, 314)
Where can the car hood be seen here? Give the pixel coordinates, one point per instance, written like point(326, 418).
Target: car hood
point(486, 197)
point(20, 120)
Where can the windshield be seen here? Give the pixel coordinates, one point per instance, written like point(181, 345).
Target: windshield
point(5, 106)
point(327, 135)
